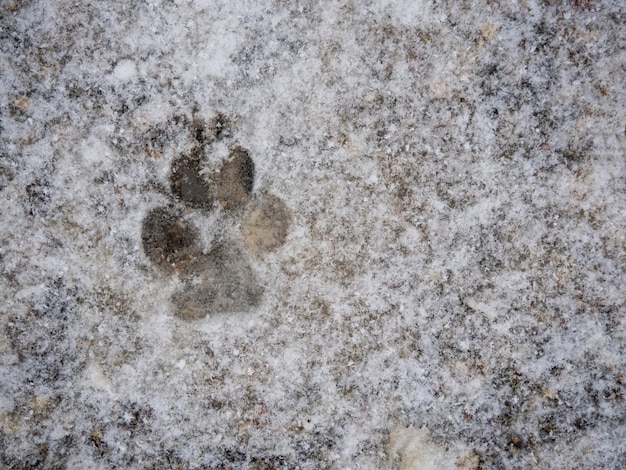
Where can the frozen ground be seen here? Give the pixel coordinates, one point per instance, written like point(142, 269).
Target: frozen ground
point(400, 241)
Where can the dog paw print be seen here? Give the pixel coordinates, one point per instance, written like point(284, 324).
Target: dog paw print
point(214, 263)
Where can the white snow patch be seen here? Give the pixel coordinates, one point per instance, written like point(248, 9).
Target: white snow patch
point(94, 377)
point(417, 451)
point(125, 70)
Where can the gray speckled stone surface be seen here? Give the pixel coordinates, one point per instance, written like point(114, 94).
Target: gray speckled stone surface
point(393, 234)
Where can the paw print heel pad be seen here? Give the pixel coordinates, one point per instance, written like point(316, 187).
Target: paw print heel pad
point(227, 284)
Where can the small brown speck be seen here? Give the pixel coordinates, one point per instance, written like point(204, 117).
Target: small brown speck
point(21, 101)
point(549, 394)
point(152, 153)
point(96, 437)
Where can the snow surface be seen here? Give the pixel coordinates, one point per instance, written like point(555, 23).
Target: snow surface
point(451, 292)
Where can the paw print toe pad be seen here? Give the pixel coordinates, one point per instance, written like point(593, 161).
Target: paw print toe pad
point(235, 180)
point(231, 186)
point(266, 224)
point(168, 240)
point(188, 185)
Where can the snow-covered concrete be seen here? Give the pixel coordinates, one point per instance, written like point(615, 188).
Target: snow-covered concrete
point(398, 240)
